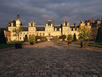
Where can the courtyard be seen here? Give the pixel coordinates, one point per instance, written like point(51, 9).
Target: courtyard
point(50, 59)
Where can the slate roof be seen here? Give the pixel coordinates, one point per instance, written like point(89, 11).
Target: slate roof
point(40, 28)
point(74, 26)
point(24, 28)
point(12, 21)
point(57, 27)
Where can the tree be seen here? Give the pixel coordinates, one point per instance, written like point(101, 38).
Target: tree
point(32, 39)
point(63, 37)
point(99, 35)
point(69, 39)
point(74, 37)
point(26, 38)
point(84, 35)
point(3, 39)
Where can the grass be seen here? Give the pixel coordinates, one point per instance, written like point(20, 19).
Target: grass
point(91, 43)
point(95, 44)
point(2, 46)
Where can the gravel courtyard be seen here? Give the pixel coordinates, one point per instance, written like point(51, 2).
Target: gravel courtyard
point(50, 59)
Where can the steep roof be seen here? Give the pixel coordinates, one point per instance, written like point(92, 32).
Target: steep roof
point(12, 21)
point(24, 28)
point(40, 28)
point(57, 27)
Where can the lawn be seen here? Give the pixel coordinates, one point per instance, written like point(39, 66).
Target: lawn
point(95, 44)
point(91, 43)
point(6, 46)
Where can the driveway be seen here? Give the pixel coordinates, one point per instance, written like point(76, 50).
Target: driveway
point(50, 59)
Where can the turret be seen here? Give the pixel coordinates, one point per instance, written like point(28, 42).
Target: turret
point(65, 28)
point(49, 27)
point(65, 24)
point(18, 22)
point(99, 21)
point(49, 23)
point(82, 23)
point(32, 28)
point(88, 24)
point(31, 24)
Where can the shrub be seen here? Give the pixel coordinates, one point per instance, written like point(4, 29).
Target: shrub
point(74, 37)
point(43, 39)
point(3, 39)
point(63, 37)
point(25, 38)
point(84, 35)
point(40, 38)
point(18, 45)
point(99, 35)
point(83, 44)
point(55, 38)
point(32, 39)
point(69, 39)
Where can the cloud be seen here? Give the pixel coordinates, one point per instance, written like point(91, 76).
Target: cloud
point(41, 10)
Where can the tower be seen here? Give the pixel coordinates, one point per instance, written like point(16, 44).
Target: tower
point(32, 28)
point(65, 28)
point(18, 22)
point(49, 27)
point(82, 24)
point(49, 23)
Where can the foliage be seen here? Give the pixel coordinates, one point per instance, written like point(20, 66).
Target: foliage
point(99, 35)
point(74, 37)
point(63, 37)
point(18, 45)
point(84, 35)
point(26, 38)
point(32, 38)
point(69, 39)
point(83, 44)
point(40, 38)
point(3, 39)
point(94, 33)
point(43, 39)
point(55, 38)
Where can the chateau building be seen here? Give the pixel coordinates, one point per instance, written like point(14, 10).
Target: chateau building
point(17, 32)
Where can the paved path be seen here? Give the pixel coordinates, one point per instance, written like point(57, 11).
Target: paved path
point(49, 59)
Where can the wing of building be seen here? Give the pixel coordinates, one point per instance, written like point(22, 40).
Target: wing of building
point(17, 32)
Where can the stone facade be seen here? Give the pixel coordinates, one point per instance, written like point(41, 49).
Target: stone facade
point(49, 30)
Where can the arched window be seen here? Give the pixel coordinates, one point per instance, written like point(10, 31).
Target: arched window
point(49, 34)
point(20, 38)
point(40, 34)
point(43, 34)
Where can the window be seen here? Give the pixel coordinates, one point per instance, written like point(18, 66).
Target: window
point(37, 34)
point(43, 34)
point(20, 38)
point(72, 29)
point(40, 34)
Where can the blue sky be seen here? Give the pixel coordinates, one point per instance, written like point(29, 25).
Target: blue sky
point(41, 10)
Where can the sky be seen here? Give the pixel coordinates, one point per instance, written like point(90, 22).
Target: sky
point(41, 10)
